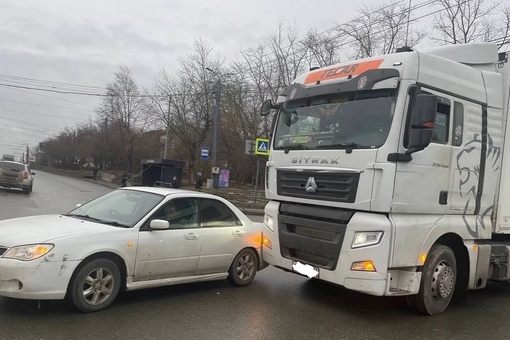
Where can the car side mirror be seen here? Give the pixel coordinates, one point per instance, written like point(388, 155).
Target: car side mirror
point(422, 122)
point(33, 173)
point(159, 224)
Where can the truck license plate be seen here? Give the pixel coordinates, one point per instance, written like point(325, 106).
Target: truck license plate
point(305, 269)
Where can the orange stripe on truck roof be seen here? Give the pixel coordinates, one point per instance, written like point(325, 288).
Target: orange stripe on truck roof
point(343, 71)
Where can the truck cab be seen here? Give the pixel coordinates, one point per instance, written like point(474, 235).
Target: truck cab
point(384, 174)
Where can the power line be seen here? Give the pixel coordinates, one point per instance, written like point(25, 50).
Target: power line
point(51, 82)
point(45, 96)
point(52, 106)
point(44, 115)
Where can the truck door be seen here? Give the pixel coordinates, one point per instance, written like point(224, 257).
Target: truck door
point(422, 184)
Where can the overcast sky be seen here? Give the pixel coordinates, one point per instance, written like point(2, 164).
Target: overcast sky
point(84, 42)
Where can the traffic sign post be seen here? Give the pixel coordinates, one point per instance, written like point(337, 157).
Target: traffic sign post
point(204, 153)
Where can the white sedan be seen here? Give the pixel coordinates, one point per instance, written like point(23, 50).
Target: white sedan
point(130, 238)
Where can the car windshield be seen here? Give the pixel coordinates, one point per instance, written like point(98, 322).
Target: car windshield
point(357, 120)
point(119, 208)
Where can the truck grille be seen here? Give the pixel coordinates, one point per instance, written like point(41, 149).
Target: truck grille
point(329, 186)
point(312, 234)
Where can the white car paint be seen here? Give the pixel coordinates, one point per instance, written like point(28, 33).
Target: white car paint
point(151, 257)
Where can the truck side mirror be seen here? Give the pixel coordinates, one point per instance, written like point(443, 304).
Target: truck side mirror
point(266, 108)
point(422, 122)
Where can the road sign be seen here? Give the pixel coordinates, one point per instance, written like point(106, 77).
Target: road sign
point(262, 146)
point(249, 147)
point(204, 153)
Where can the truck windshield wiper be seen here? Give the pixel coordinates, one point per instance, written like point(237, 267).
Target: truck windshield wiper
point(292, 147)
point(347, 146)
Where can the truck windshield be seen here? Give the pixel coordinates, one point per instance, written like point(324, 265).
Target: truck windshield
point(357, 120)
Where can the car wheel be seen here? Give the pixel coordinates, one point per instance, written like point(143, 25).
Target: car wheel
point(95, 285)
point(243, 269)
point(437, 282)
point(26, 190)
point(31, 186)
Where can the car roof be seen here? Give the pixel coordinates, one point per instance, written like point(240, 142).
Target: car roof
point(12, 162)
point(169, 191)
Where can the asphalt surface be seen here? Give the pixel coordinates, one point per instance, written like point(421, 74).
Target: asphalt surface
point(278, 305)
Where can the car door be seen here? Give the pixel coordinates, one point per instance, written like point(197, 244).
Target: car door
point(173, 252)
point(222, 236)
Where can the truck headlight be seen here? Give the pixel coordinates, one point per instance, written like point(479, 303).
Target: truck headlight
point(366, 238)
point(28, 252)
point(269, 221)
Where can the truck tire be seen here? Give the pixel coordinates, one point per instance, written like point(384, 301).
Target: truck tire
point(437, 284)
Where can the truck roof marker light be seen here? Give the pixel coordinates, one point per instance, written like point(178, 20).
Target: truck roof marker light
point(364, 266)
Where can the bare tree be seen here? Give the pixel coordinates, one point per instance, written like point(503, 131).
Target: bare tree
point(183, 103)
point(496, 27)
point(380, 30)
point(123, 106)
point(464, 21)
point(322, 48)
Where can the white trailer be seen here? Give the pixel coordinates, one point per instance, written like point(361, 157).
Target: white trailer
point(389, 175)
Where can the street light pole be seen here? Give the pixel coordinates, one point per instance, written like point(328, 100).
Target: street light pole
point(216, 123)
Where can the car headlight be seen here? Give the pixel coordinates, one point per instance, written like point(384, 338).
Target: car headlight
point(28, 252)
point(269, 221)
point(366, 238)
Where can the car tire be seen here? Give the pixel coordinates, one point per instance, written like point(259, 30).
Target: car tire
point(438, 281)
point(26, 190)
point(243, 269)
point(95, 285)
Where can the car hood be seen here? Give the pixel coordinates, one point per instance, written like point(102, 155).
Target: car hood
point(45, 228)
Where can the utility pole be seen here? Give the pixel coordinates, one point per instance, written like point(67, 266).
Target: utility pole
point(105, 142)
point(216, 123)
point(167, 125)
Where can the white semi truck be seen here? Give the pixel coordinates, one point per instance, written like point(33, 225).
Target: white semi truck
point(391, 175)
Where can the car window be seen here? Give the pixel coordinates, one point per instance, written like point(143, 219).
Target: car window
point(214, 213)
point(180, 213)
point(12, 166)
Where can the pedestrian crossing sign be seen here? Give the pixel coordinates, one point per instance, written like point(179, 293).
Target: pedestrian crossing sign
point(262, 146)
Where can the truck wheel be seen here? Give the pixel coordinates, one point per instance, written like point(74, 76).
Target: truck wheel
point(437, 282)
point(95, 285)
point(243, 269)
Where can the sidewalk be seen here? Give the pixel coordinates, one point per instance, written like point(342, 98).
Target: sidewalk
point(247, 211)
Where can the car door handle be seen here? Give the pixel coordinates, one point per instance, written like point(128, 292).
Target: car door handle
point(237, 233)
point(191, 236)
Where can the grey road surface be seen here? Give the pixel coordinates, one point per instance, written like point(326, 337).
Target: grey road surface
point(278, 305)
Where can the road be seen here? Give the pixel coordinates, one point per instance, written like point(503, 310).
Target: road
point(277, 305)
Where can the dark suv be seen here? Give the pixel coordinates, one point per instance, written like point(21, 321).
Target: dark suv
point(16, 175)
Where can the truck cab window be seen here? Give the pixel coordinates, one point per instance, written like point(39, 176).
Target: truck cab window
point(441, 128)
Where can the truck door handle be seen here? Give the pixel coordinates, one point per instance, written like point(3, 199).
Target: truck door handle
point(443, 197)
point(237, 233)
point(191, 236)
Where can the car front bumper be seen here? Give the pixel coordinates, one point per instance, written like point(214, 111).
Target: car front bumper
point(34, 280)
